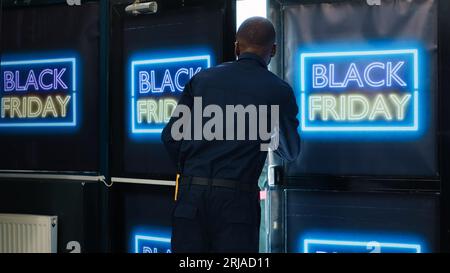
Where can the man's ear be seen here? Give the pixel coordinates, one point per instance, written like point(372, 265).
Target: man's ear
point(237, 49)
point(274, 51)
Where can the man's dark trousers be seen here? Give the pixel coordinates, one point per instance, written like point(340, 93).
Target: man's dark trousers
point(215, 219)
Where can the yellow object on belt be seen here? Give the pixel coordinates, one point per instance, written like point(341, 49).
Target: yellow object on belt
point(176, 186)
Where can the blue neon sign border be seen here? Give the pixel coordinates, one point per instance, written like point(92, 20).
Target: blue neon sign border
point(71, 60)
point(388, 239)
point(143, 61)
point(152, 233)
point(357, 53)
point(159, 239)
point(308, 242)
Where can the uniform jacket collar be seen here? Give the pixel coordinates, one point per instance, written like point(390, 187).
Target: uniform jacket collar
point(253, 57)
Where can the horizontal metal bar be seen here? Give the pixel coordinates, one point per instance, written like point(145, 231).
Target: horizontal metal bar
point(142, 181)
point(19, 175)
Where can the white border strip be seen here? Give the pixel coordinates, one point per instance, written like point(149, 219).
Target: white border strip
point(142, 181)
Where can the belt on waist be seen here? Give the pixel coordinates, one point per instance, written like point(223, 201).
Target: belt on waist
point(218, 182)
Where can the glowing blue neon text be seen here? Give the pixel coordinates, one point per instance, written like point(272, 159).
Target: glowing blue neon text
point(360, 91)
point(38, 92)
point(155, 87)
point(324, 75)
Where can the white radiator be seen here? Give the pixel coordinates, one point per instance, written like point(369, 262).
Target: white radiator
point(21, 233)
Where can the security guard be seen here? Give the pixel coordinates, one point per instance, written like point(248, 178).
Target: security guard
point(217, 207)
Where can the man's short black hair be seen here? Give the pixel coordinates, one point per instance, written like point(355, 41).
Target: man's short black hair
point(256, 32)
